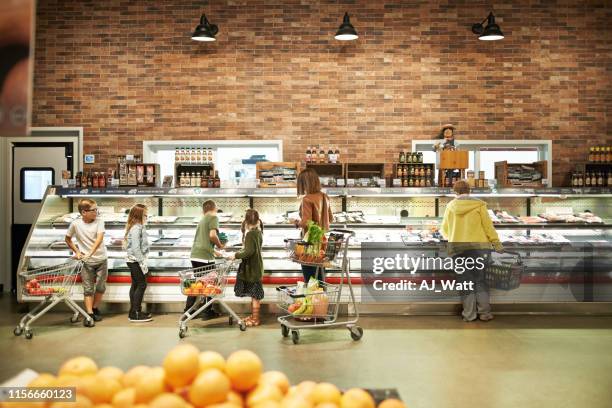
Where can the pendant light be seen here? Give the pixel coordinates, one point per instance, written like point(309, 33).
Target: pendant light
point(491, 32)
point(205, 31)
point(346, 32)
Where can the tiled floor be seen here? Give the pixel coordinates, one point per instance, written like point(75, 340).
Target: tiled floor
point(514, 361)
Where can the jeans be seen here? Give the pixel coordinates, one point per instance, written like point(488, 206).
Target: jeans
point(192, 299)
point(138, 287)
point(311, 272)
point(475, 301)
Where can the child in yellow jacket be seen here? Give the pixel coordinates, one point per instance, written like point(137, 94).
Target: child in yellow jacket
point(470, 233)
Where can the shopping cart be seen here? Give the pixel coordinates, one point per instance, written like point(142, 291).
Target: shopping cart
point(316, 304)
point(54, 285)
point(505, 273)
point(208, 284)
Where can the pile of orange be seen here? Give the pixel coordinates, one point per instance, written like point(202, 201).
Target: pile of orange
point(189, 378)
point(199, 288)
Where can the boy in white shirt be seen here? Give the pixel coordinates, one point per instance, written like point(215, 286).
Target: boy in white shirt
point(89, 234)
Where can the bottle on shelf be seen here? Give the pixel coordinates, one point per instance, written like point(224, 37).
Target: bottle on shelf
point(600, 180)
point(102, 180)
point(77, 180)
point(608, 154)
point(420, 157)
point(402, 157)
point(330, 155)
point(210, 181)
point(210, 156)
point(94, 180)
point(587, 180)
point(337, 155)
point(609, 182)
point(321, 155)
point(217, 181)
point(308, 154)
point(176, 155)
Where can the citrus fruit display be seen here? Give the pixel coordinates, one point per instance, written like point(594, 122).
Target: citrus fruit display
point(189, 378)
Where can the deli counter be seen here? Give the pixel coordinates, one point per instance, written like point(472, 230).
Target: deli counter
point(538, 223)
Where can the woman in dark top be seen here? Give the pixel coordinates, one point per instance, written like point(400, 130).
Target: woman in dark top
point(250, 271)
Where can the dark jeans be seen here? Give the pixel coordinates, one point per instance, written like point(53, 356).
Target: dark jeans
point(192, 299)
point(311, 272)
point(138, 287)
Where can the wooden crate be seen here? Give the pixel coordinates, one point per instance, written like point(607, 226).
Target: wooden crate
point(453, 159)
point(502, 168)
point(265, 182)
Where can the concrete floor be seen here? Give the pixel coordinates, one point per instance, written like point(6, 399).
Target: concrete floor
point(433, 361)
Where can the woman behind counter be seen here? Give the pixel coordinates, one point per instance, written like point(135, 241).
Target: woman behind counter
point(470, 233)
point(314, 207)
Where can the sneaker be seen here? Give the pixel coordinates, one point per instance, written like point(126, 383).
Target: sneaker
point(95, 317)
point(96, 311)
point(139, 317)
point(486, 317)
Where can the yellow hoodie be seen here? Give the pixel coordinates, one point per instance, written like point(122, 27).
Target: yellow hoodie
point(466, 221)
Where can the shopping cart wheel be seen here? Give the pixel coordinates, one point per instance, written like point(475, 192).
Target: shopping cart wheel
point(182, 332)
point(89, 322)
point(284, 330)
point(18, 331)
point(74, 318)
point(242, 326)
point(29, 334)
point(295, 336)
point(356, 332)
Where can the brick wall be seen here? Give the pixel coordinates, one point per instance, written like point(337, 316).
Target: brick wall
point(127, 71)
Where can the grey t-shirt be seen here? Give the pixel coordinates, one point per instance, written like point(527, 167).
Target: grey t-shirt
point(86, 235)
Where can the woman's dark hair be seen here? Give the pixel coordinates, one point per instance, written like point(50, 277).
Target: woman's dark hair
point(441, 134)
point(308, 182)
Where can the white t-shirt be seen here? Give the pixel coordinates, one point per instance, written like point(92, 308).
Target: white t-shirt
point(86, 235)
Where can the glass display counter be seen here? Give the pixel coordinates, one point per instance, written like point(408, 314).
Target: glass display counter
point(546, 219)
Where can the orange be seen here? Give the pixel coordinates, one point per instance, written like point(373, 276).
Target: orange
point(100, 390)
point(43, 380)
point(103, 406)
point(234, 398)
point(168, 400)
point(209, 387)
point(392, 403)
point(133, 375)
point(111, 372)
point(243, 369)
point(357, 398)
point(181, 365)
point(124, 398)
point(303, 390)
point(263, 393)
point(80, 401)
point(268, 404)
point(150, 385)
point(326, 405)
point(224, 405)
point(296, 402)
point(78, 366)
point(211, 359)
point(325, 392)
point(275, 378)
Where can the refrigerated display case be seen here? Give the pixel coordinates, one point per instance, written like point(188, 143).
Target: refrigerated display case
point(397, 216)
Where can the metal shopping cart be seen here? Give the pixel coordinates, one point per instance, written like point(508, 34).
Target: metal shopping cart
point(208, 284)
point(505, 273)
point(316, 305)
point(54, 285)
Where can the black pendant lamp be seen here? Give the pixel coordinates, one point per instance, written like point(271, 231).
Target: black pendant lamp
point(491, 32)
point(205, 31)
point(346, 32)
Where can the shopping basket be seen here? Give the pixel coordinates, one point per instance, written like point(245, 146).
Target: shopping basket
point(316, 304)
point(208, 284)
point(504, 273)
point(53, 284)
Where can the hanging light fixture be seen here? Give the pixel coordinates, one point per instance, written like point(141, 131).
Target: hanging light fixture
point(346, 32)
point(205, 31)
point(491, 32)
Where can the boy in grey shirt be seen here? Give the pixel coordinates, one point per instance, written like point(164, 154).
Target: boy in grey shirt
point(89, 234)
